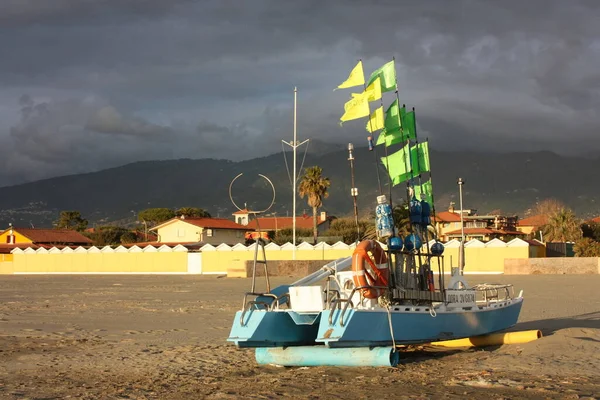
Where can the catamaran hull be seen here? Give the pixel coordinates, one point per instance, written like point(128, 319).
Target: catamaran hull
point(366, 328)
point(359, 328)
point(262, 328)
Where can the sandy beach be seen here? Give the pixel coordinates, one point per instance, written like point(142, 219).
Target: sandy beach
point(147, 337)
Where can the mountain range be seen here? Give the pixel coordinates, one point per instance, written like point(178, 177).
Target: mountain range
point(510, 183)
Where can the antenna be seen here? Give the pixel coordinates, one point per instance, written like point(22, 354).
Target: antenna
point(259, 241)
point(252, 212)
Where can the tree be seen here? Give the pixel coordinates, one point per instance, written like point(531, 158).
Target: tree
point(108, 235)
point(190, 212)
point(154, 216)
point(128, 237)
point(285, 235)
point(71, 220)
point(562, 226)
point(591, 230)
point(401, 219)
point(346, 228)
point(547, 207)
point(314, 186)
point(586, 247)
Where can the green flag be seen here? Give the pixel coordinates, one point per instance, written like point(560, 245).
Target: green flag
point(409, 124)
point(393, 121)
point(398, 165)
point(401, 166)
point(419, 154)
point(424, 191)
point(387, 73)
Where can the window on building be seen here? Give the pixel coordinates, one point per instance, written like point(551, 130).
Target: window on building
point(210, 233)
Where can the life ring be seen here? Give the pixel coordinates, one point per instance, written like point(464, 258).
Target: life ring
point(369, 276)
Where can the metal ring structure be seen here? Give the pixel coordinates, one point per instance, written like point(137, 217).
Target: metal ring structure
point(253, 212)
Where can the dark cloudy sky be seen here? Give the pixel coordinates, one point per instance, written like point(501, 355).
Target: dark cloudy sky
point(90, 84)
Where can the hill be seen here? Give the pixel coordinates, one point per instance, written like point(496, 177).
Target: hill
point(508, 182)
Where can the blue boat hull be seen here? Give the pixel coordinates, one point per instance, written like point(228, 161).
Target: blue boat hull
point(365, 328)
point(371, 328)
point(261, 328)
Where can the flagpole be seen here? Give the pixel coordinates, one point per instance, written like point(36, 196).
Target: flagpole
point(371, 132)
point(294, 145)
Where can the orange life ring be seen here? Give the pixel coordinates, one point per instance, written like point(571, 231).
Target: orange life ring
point(368, 276)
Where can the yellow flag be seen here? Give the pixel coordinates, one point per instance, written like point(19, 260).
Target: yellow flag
point(356, 77)
point(373, 91)
point(356, 107)
point(375, 121)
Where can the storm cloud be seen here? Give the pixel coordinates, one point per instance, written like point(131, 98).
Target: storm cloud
point(88, 85)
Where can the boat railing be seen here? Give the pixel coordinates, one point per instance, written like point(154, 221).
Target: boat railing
point(494, 291)
point(348, 302)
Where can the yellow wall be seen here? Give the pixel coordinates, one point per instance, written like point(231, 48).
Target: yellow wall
point(131, 262)
point(478, 259)
point(182, 232)
point(218, 261)
point(18, 237)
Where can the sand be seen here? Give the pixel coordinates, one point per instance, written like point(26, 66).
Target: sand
point(147, 337)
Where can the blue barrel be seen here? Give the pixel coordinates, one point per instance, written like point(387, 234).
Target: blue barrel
point(317, 356)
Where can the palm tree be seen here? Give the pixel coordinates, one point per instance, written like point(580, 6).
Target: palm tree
point(190, 212)
point(562, 226)
point(314, 186)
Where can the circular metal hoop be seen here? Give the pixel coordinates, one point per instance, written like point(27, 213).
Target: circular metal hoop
point(249, 211)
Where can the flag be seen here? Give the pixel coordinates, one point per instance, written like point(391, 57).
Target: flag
point(401, 166)
point(387, 74)
point(420, 157)
point(392, 117)
point(356, 107)
point(425, 190)
point(356, 77)
point(398, 165)
point(375, 121)
point(390, 138)
point(409, 124)
point(373, 91)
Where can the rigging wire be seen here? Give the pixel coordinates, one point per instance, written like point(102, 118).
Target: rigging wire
point(303, 159)
point(286, 164)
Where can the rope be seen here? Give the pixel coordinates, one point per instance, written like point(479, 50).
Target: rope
point(386, 303)
point(287, 168)
point(303, 158)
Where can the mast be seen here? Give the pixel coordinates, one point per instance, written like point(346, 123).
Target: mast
point(294, 145)
point(353, 190)
point(461, 254)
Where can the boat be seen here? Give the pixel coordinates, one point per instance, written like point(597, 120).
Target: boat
point(391, 292)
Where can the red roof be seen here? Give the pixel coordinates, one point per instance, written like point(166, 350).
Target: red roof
point(446, 216)
point(595, 220)
point(484, 231)
point(53, 236)
point(244, 211)
point(535, 221)
point(277, 223)
point(212, 223)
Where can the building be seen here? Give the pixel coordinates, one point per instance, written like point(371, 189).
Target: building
point(481, 227)
point(278, 223)
point(43, 237)
point(212, 231)
point(532, 224)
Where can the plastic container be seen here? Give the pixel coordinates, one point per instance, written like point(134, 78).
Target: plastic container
point(384, 222)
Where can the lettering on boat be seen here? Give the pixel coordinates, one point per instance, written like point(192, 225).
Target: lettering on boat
point(461, 297)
